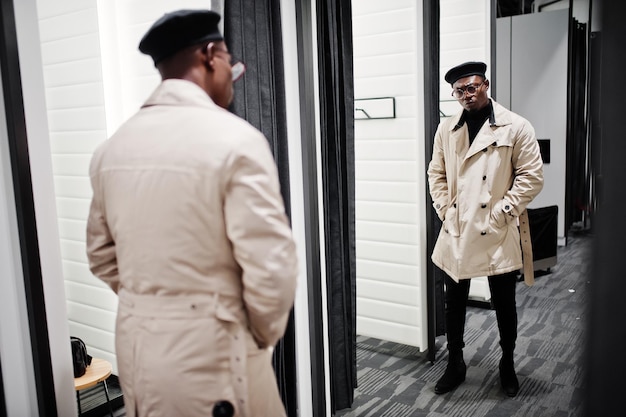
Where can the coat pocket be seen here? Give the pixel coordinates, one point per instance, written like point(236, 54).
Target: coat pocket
point(451, 221)
point(498, 218)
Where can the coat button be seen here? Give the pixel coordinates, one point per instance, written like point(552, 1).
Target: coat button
point(483, 205)
point(484, 177)
point(454, 205)
point(483, 233)
point(223, 409)
point(438, 206)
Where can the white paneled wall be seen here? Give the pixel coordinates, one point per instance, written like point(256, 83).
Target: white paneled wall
point(77, 122)
point(389, 155)
point(465, 36)
point(94, 79)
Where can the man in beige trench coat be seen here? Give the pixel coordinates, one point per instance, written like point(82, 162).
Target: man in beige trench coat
point(485, 169)
point(188, 227)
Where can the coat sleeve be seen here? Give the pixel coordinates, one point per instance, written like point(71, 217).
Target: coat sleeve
point(100, 243)
point(261, 237)
point(527, 170)
point(437, 178)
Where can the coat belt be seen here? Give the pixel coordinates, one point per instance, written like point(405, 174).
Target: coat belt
point(527, 249)
point(224, 308)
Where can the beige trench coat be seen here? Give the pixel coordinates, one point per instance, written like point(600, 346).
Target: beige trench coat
point(472, 186)
point(188, 226)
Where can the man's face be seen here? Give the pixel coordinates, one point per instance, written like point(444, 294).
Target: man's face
point(471, 101)
point(222, 93)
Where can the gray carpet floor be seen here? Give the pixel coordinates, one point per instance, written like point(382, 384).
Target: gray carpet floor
point(398, 381)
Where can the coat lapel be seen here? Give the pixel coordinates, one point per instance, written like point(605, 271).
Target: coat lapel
point(488, 132)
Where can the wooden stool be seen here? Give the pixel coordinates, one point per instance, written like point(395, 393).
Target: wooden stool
point(97, 372)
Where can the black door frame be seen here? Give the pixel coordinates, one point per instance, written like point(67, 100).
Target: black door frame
point(25, 210)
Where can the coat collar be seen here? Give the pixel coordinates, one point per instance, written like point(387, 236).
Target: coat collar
point(177, 92)
point(500, 116)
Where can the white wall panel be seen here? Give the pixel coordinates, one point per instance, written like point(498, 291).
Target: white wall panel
point(78, 118)
point(388, 232)
point(392, 312)
point(71, 164)
point(378, 129)
point(387, 149)
point(72, 229)
point(386, 170)
point(78, 272)
point(390, 212)
point(388, 252)
point(376, 290)
point(394, 19)
point(70, 49)
point(70, 96)
point(390, 173)
point(75, 187)
point(383, 44)
point(465, 36)
point(373, 7)
point(75, 142)
point(72, 208)
point(381, 191)
point(387, 65)
point(383, 86)
point(50, 9)
point(77, 123)
point(390, 330)
point(387, 271)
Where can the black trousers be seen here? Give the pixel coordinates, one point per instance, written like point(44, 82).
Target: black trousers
point(502, 289)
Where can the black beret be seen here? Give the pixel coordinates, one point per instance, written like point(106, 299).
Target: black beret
point(180, 29)
point(465, 70)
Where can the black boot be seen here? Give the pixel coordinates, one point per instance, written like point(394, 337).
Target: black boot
point(454, 374)
point(503, 298)
point(508, 379)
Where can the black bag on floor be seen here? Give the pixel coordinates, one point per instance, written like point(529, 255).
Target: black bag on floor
point(80, 359)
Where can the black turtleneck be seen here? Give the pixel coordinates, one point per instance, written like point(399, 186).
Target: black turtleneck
point(475, 120)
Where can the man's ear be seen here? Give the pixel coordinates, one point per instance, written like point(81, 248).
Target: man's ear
point(208, 55)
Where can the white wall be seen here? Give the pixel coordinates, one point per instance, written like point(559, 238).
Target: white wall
point(390, 191)
point(72, 68)
point(465, 36)
point(537, 62)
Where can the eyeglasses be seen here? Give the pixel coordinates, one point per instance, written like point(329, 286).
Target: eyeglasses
point(470, 89)
point(237, 70)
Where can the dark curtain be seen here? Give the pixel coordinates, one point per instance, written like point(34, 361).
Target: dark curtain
point(434, 276)
point(605, 333)
point(595, 125)
point(253, 34)
point(577, 149)
point(334, 31)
